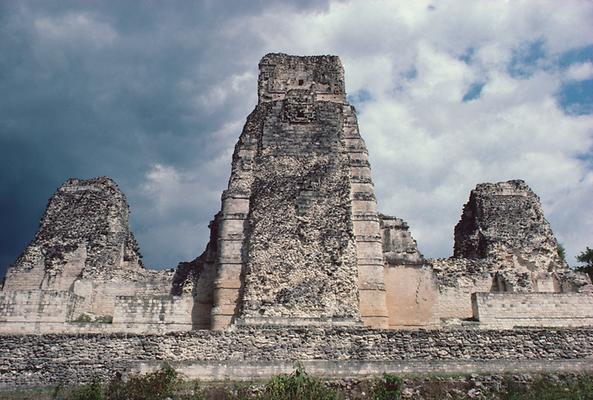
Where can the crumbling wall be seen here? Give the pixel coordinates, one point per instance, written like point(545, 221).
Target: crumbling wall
point(505, 221)
point(83, 233)
point(503, 244)
point(83, 250)
point(322, 76)
point(298, 240)
point(412, 296)
point(410, 286)
point(301, 252)
point(399, 247)
point(37, 306)
point(156, 309)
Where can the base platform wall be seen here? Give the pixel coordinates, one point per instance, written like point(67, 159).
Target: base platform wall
point(510, 310)
point(42, 360)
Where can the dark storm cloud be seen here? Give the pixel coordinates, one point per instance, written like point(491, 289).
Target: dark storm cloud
point(155, 94)
point(114, 88)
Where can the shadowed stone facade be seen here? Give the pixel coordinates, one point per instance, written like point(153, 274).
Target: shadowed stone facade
point(82, 263)
point(84, 231)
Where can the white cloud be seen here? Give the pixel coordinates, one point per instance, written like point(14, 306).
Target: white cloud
point(579, 72)
point(217, 94)
point(167, 191)
point(428, 149)
point(75, 27)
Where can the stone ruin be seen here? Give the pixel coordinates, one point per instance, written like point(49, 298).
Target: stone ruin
point(82, 263)
point(298, 242)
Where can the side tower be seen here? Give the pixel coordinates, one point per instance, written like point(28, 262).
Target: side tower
point(83, 233)
point(299, 240)
point(505, 220)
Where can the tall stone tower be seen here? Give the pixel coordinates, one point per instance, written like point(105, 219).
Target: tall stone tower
point(299, 238)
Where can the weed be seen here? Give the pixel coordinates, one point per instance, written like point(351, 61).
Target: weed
point(297, 386)
point(387, 387)
point(580, 388)
point(83, 318)
point(90, 391)
point(153, 386)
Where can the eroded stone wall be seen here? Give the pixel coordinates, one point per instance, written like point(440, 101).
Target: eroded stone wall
point(84, 232)
point(399, 247)
point(412, 296)
point(37, 306)
point(503, 244)
point(34, 360)
point(82, 257)
point(505, 221)
point(299, 240)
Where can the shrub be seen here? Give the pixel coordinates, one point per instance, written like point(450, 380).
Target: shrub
point(104, 319)
point(83, 318)
point(580, 388)
point(387, 387)
point(297, 386)
point(196, 393)
point(586, 258)
point(561, 252)
point(91, 391)
point(156, 385)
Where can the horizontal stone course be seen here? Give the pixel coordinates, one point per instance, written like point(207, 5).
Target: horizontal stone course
point(508, 310)
point(33, 360)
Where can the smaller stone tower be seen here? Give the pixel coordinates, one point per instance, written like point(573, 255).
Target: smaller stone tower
point(83, 233)
point(505, 221)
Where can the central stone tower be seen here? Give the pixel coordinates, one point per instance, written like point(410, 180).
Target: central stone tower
point(299, 238)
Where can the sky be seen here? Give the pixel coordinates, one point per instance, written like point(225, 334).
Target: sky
point(154, 94)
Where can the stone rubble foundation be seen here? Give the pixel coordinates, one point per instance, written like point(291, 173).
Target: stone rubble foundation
point(252, 353)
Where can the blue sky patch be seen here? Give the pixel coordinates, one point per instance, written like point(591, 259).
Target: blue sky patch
point(575, 56)
point(526, 58)
point(359, 97)
point(473, 92)
point(468, 56)
point(410, 74)
point(576, 97)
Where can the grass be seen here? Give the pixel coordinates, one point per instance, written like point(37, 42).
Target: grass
point(99, 319)
point(298, 386)
point(546, 389)
point(166, 383)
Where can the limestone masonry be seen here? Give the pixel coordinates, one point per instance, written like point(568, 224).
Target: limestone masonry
point(297, 247)
point(258, 352)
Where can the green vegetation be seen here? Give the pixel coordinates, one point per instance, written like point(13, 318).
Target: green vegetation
point(586, 258)
point(298, 386)
point(388, 387)
point(561, 252)
point(83, 319)
point(545, 389)
point(166, 383)
point(91, 391)
point(86, 318)
point(104, 319)
point(153, 386)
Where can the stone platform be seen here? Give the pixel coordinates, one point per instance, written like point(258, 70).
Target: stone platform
point(251, 353)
